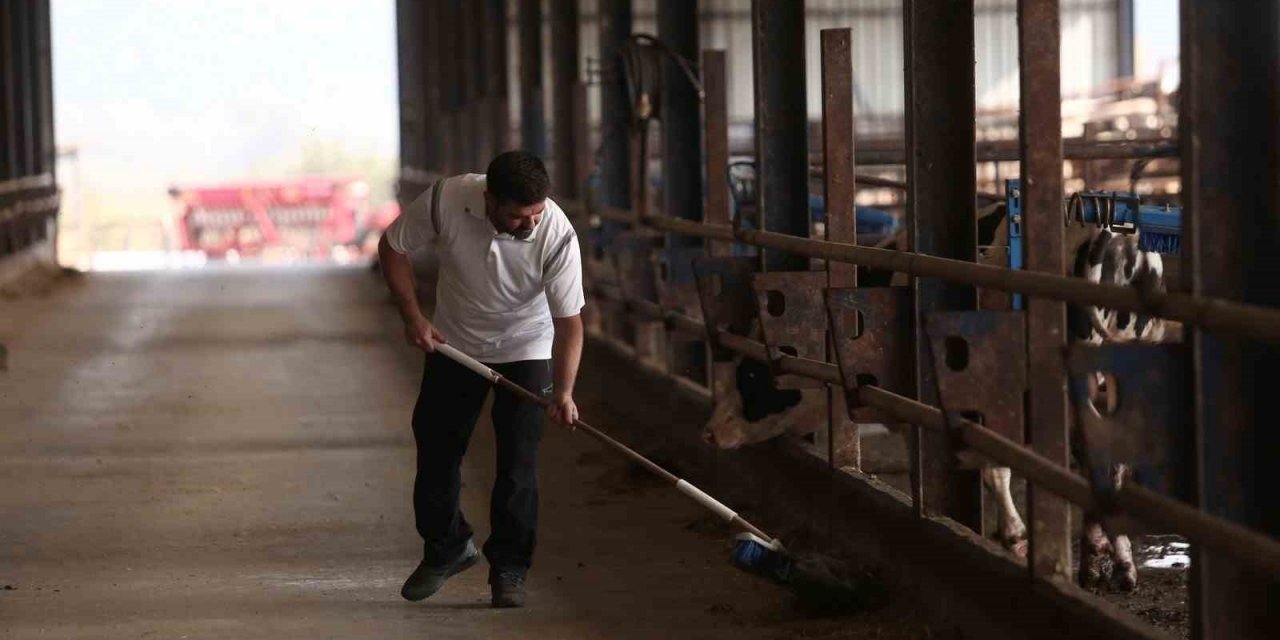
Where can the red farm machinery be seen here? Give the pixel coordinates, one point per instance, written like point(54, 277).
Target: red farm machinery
point(301, 219)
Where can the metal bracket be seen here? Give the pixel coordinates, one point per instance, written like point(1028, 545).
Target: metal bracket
point(871, 328)
point(980, 365)
point(724, 289)
point(793, 318)
point(1132, 408)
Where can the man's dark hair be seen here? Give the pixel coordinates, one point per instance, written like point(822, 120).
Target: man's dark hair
point(519, 177)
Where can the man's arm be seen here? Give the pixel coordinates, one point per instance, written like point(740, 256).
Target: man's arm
point(397, 270)
point(566, 354)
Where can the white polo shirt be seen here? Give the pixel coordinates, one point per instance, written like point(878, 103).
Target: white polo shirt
point(496, 293)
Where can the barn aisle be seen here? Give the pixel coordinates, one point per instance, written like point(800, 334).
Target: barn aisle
point(225, 454)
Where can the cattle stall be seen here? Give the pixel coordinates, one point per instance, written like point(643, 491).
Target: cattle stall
point(953, 330)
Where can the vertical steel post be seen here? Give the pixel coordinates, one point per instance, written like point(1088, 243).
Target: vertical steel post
point(26, 65)
point(1124, 38)
point(681, 151)
point(432, 105)
point(481, 88)
point(1041, 150)
point(715, 136)
point(499, 116)
point(465, 59)
point(941, 201)
point(564, 79)
point(1229, 124)
point(782, 136)
point(681, 147)
point(409, 59)
point(838, 172)
point(533, 124)
point(8, 105)
point(450, 83)
point(44, 80)
point(581, 138)
point(615, 172)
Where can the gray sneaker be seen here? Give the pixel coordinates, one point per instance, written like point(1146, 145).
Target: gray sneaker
point(507, 588)
point(427, 579)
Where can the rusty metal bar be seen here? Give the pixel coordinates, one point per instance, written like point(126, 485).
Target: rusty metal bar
point(838, 182)
point(881, 154)
point(1253, 321)
point(715, 117)
point(533, 125)
point(499, 115)
point(782, 181)
point(564, 77)
point(1230, 62)
point(1048, 515)
point(941, 199)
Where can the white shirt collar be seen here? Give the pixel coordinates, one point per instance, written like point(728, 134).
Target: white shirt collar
point(474, 205)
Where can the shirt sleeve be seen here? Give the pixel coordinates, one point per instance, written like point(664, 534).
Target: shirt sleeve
point(419, 224)
point(562, 278)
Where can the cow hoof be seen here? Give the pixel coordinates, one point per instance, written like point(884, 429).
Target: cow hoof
point(1095, 569)
point(1016, 544)
point(1124, 577)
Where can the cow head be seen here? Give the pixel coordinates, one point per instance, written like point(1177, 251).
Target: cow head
point(755, 410)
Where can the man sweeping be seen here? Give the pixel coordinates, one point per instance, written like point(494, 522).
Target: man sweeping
point(509, 295)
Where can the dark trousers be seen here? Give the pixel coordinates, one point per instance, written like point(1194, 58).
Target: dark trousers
point(445, 415)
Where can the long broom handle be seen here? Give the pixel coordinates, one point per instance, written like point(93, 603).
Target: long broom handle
point(683, 486)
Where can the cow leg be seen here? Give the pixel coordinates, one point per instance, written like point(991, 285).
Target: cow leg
point(1012, 532)
point(1095, 554)
point(1124, 572)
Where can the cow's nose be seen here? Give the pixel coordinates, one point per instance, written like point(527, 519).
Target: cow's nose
point(709, 437)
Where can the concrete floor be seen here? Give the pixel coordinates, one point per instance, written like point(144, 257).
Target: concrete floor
point(226, 454)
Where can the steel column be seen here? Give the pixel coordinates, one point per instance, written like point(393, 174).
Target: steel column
point(1229, 122)
point(681, 148)
point(782, 149)
point(941, 200)
point(499, 116)
point(533, 124)
point(468, 84)
point(715, 116)
point(838, 172)
point(8, 104)
point(1041, 139)
point(44, 93)
point(409, 60)
point(432, 98)
point(478, 106)
point(1124, 39)
point(615, 141)
point(564, 79)
point(28, 142)
point(450, 79)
